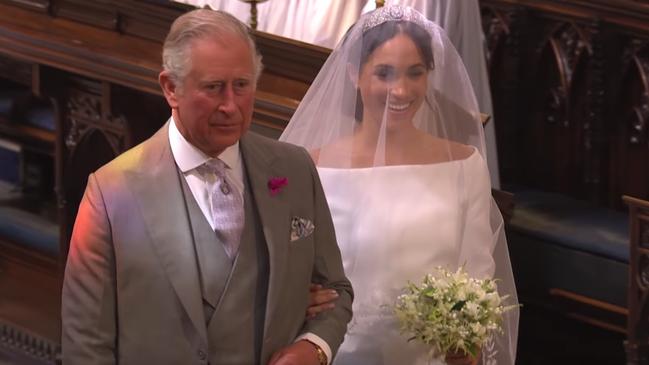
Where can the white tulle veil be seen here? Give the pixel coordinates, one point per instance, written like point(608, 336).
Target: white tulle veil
point(357, 115)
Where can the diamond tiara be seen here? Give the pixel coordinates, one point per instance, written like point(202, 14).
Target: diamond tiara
point(396, 13)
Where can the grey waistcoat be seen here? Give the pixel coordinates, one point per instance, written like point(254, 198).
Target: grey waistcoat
point(234, 293)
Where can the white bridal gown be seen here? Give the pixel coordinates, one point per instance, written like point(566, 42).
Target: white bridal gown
point(395, 224)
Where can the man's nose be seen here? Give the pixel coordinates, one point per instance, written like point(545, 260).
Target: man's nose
point(227, 104)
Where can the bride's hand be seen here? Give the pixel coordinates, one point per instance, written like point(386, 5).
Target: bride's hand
point(460, 359)
point(320, 300)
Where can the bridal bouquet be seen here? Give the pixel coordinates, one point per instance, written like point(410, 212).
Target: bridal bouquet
point(451, 312)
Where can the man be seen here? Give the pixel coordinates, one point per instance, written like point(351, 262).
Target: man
point(199, 245)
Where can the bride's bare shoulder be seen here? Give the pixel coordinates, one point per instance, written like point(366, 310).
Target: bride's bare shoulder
point(444, 147)
point(340, 146)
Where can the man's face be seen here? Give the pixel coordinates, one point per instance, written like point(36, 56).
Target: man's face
point(213, 105)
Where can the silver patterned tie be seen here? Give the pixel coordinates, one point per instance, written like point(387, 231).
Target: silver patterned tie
point(226, 205)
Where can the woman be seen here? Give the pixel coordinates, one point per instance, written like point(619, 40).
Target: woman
point(392, 123)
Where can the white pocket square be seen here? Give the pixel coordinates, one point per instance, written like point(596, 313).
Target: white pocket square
point(300, 228)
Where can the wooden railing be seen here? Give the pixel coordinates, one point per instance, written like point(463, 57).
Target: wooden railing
point(637, 345)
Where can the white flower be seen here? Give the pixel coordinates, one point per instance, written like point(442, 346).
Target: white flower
point(493, 298)
point(478, 329)
point(472, 309)
point(480, 293)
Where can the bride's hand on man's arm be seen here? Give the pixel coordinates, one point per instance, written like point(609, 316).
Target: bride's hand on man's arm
point(320, 300)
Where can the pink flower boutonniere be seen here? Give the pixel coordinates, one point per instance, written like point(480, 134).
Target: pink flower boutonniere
point(275, 184)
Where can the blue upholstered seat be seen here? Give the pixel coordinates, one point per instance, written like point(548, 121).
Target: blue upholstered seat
point(559, 242)
point(41, 117)
point(30, 230)
point(572, 223)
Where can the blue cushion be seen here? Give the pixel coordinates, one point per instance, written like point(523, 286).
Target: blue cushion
point(7, 100)
point(8, 96)
point(10, 162)
point(540, 265)
point(41, 117)
point(29, 229)
point(25, 228)
point(571, 223)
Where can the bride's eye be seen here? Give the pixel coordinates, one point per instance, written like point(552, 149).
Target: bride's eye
point(385, 73)
point(417, 72)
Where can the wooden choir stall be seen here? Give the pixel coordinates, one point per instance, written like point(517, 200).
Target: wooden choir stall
point(570, 89)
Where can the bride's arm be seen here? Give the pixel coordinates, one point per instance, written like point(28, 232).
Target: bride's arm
point(478, 238)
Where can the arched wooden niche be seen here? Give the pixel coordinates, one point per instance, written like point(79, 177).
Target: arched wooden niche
point(502, 31)
point(630, 159)
point(90, 139)
point(555, 148)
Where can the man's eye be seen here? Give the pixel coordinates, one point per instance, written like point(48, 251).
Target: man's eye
point(213, 87)
point(241, 84)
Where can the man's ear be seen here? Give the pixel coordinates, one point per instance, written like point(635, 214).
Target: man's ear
point(169, 88)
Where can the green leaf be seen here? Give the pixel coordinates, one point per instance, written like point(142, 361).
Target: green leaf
point(459, 305)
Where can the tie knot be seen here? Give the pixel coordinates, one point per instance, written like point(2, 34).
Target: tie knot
point(216, 166)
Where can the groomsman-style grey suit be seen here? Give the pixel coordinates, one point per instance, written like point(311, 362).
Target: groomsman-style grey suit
point(147, 282)
point(148, 279)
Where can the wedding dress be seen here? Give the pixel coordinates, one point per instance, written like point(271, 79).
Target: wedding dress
point(395, 224)
point(389, 121)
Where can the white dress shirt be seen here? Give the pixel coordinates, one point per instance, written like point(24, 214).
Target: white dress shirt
point(189, 158)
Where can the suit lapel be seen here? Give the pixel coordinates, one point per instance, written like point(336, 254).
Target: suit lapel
point(162, 205)
point(273, 213)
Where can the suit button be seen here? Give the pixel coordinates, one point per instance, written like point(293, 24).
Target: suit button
point(201, 355)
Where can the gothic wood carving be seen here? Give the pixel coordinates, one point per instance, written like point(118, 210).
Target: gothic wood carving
point(556, 155)
point(629, 157)
point(502, 27)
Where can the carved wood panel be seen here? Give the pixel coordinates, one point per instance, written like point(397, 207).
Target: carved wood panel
point(555, 72)
point(556, 147)
point(630, 151)
point(89, 135)
point(503, 37)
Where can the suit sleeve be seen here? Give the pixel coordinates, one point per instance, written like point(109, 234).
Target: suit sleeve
point(328, 271)
point(88, 303)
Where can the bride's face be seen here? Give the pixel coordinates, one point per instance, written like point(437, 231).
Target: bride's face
point(393, 81)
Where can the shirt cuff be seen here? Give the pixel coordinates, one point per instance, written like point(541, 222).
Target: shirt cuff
point(318, 341)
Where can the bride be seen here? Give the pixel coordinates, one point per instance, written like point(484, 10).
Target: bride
point(392, 124)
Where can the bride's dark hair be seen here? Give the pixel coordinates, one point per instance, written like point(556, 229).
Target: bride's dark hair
point(376, 36)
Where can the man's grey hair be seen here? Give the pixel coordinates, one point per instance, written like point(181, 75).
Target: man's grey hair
point(200, 24)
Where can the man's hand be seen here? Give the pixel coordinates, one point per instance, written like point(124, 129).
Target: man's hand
point(299, 353)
